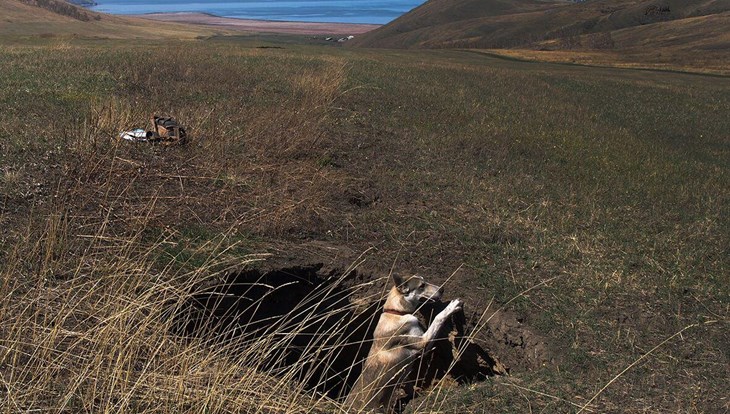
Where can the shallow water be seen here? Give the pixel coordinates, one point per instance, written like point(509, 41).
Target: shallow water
point(331, 11)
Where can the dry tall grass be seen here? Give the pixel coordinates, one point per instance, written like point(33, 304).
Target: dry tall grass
point(96, 329)
point(95, 334)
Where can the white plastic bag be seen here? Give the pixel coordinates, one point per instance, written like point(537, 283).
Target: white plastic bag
point(135, 135)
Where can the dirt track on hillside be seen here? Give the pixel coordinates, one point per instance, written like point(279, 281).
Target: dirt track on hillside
point(263, 26)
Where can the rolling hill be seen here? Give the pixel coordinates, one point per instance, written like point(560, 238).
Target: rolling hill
point(520, 23)
point(59, 18)
point(581, 213)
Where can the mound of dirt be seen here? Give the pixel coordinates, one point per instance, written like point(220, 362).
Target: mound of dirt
point(519, 346)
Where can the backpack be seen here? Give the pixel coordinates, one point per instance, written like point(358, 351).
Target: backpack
point(167, 130)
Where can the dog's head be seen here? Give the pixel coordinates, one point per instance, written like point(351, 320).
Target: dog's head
point(416, 290)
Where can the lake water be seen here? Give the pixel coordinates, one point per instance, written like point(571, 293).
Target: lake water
point(330, 11)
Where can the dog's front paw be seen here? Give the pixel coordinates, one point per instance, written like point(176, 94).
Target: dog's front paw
point(454, 306)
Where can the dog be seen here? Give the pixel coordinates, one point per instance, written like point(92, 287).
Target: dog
point(398, 341)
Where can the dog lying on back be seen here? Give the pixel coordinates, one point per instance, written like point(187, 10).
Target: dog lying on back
point(398, 341)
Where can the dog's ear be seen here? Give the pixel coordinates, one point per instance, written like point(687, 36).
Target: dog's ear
point(399, 282)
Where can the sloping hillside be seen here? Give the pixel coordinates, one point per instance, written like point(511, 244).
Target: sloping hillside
point(703, 33)
point(440, 22)
point(590, 205)
point(700, 42)
point(56, 17)
point(519, 23)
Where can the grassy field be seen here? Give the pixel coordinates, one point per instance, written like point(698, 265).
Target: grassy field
point(606, 191)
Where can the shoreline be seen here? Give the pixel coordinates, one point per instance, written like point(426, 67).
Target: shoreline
point(261, 26)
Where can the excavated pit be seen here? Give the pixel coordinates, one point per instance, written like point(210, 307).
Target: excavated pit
point(318, 328)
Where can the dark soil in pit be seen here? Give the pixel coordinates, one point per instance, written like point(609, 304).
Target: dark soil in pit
point(317, 326)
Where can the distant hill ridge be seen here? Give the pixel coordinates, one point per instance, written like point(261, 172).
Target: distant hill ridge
point(531, 23)
point(64, 8)
point(62, 18)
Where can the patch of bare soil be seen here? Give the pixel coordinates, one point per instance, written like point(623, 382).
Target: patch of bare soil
point(516, 343)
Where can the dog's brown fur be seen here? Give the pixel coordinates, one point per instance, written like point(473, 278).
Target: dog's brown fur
point(398, 341)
